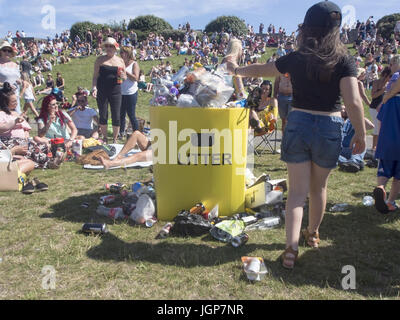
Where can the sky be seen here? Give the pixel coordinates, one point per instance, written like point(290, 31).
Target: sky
point(42, 18)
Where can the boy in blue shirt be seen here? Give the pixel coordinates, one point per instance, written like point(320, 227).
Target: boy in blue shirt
point(388, 148)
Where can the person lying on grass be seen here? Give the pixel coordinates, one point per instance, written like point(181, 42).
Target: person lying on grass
point(137, 138)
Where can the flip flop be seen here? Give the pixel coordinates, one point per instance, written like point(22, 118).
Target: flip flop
point(380, 200)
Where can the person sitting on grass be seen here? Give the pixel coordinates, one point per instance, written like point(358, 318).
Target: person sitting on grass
point(14, 131)
point(349, 162)
point(53, 123)
point(25, 167)
point(142, 85)
point(82, 116)
point(387, 149)
point(49, 85)
point(38, 80)
point(81, 90)
point(137, 138)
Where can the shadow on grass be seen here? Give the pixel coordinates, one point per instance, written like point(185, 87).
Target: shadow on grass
point(72, 210)
point(359, 237)
point(165, 252)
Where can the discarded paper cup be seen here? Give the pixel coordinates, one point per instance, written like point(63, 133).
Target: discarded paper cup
point(254, 265)
point(254, 268)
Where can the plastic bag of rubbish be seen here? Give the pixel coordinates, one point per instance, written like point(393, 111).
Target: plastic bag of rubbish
point(223, 73)
point(212, 91)
point(205, 95)
point(161, 90)
point(187, 224)
point(186, 100)
point(164, 82)
point(145, 209)
point(227, 229)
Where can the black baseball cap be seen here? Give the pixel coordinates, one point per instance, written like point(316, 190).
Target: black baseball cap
point(317, 15)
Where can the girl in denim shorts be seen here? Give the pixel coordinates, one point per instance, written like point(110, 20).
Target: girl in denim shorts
point(321, 71)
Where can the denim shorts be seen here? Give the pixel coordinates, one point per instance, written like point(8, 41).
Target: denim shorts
point(315, 138)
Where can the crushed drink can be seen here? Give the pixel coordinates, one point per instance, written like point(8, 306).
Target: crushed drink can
point(95, 228)
point(240, 240)
point(105, 200)
point(206, 215)
point(165, 230)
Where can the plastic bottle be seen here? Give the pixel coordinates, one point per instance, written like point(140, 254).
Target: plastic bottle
point(339, 207)
point(114, 213)
point(180, 75)
point(368, 201)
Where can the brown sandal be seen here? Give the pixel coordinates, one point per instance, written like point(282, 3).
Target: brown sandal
point(312, 239)
point(289, 255)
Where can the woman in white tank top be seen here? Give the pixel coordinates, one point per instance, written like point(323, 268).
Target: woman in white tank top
point(129, 90)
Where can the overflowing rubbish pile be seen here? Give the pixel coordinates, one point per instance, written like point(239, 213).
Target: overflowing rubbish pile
point(199, 88)
point(202, 87)
point(139, 205)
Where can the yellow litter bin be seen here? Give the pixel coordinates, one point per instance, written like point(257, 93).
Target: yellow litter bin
point(199, 155)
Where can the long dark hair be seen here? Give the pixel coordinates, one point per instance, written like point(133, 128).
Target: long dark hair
point(5, 95)
point(322, 47)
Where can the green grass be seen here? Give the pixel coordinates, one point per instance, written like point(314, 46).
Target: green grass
point(128, 263)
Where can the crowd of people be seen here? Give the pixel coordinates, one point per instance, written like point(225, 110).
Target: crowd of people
point(305, 93)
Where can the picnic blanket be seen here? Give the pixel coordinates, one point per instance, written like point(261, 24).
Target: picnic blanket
point(118, 148)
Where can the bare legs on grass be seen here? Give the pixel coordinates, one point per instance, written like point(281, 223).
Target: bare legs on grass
point(305, 178)
point(137, 138)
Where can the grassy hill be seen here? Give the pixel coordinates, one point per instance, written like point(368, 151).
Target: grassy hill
point(128, 263)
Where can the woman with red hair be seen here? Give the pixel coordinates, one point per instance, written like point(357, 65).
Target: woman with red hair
point(54, 123)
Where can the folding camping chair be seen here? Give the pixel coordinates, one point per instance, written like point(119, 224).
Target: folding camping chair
point(268, 138)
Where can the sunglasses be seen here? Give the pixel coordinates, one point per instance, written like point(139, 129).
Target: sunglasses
point(7, 50)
